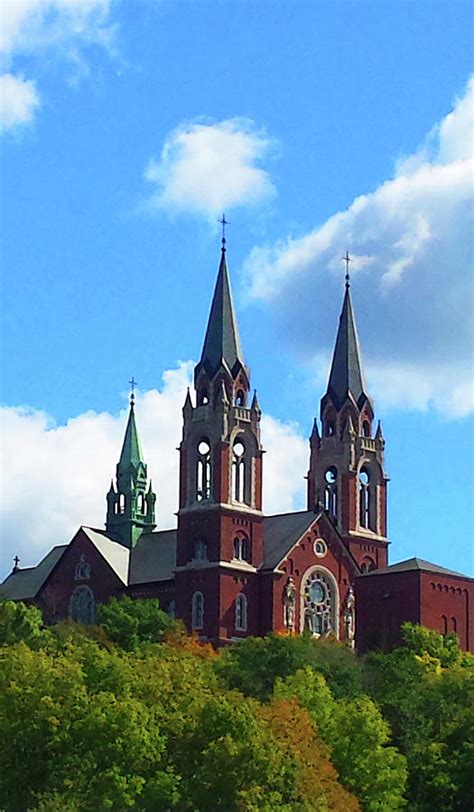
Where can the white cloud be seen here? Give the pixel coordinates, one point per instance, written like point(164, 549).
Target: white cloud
point(28, 27)
point(209, 168)
point(70, 467)
point(411, 240)
point(18, 101)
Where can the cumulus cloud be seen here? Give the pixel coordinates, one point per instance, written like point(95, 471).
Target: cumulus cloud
point(205, 169)
point(18, 101)
point(28, 27)
point(70, 467)
point(412, 249)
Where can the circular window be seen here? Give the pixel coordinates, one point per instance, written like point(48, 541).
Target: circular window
point(204, 447)
point(238, 449)
point(317, 592)
point(331, 475)
point(320, 548)
point(364, 476)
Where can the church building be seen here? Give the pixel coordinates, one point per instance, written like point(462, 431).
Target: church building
point(227, 570)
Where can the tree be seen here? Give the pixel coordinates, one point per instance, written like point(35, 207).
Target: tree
point(130, 623)
point(357, 737)
point(21, 622)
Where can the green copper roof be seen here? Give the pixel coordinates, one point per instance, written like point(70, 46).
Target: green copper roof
point(131, 450)
point(346, 370)
point(222, 339)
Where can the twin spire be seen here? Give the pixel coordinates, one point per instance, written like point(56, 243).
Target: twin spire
point(346, 375)
point(222, 340)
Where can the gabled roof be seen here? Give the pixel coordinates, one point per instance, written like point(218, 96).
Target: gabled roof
point(154, 557)
point(26, 583)
point(116, 555)
point(412, 564)
point(346, 369)
point(222, 341)
point(281, 532)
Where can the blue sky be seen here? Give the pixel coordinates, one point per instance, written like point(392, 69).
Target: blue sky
point(127, 127)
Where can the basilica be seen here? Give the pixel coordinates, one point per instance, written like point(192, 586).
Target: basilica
point(229, 571)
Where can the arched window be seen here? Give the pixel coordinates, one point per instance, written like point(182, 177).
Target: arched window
point(444, 624)
point(121, 503)
point(200, 550)
point(330, 491)
point(203, 471)
point(368, 564)
point(330, 428)
point(241, 549)
point(454, 624)
point(320, 609)
point(241, 613)
point(82, 605)
point(197, 620)
point(364, 498)
point(202, 397)
point(171, 609)
point(366, 428)
point(240, 398)
point(238, 472)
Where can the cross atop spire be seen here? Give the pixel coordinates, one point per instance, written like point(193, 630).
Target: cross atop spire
point(223, 223)
point(347, 259)
point(133, 384)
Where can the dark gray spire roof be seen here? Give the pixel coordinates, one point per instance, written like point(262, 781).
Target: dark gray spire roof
point(346, 370)
point(222, 341)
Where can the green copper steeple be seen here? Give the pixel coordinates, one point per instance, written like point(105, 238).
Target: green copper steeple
point(131, 501)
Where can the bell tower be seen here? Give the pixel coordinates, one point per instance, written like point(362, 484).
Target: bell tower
point(346, 474)
point(130, 501)
point(220, 531)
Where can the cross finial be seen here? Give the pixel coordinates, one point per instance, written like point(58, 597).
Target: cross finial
point(16, 562)
point(223, 223)
point(133, 384)
point(347, 259)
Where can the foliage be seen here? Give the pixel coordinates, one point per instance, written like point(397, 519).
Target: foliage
point(130, 623)
point(255, 664)
point(357, 737)
point(21, 622)
point(425, 690)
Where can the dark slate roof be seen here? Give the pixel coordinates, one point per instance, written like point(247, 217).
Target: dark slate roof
point(346, 370)
point(222, 339)
point(281, 532)
point(412, 564)
point(26, 583)
point(154, 557)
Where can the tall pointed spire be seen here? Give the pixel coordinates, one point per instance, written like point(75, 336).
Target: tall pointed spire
point(130, 505)
point(222, 341)
point(346, 369)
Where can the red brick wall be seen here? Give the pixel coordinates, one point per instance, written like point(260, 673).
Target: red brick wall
point(383, 603)
point(56, 592)
point(447, 604)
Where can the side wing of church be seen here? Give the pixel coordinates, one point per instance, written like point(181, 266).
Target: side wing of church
point(227, 570)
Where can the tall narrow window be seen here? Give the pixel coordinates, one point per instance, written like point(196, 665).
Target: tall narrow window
point(203, 471)
point(241, 613)
point(197, 619)
point(240, 398)
point(122, 503)
point(330, 491)
point(365, 507)
point(241, 549)
point(238, 472)
point(200, 550)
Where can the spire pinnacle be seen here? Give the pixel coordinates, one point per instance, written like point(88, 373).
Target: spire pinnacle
point(222, 341)
point(346, 369)
point(133, 384)
point(223, 223)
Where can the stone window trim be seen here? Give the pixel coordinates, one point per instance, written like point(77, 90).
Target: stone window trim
point(330, 579)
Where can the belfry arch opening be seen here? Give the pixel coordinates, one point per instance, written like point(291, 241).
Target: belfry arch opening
point(203, 470)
